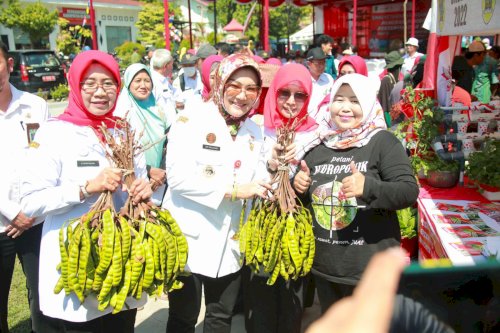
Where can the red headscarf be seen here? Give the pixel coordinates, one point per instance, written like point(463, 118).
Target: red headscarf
point(285, 75)
point(355, 61)
point(205, 74)
point(76, 112)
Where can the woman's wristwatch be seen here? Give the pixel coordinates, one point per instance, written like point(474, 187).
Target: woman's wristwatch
point(84, 190)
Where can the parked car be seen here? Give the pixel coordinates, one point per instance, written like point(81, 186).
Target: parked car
point(36, 70)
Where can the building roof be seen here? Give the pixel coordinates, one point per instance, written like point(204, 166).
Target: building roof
point(233, 26)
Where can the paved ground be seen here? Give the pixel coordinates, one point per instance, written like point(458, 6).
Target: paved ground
point(153, 318)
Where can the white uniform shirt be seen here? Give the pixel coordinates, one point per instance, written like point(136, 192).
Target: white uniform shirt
point(68, 155)
point(163, 90)
point(192, 89)
point(320, 89)
point(409, 62)
point(24, 109)
point(200, 168)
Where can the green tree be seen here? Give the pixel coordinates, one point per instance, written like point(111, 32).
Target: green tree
point(151, 22)
point(282, 20)
point(288, 19)
point(71, 38)
point(124, 52)
point(34, 19)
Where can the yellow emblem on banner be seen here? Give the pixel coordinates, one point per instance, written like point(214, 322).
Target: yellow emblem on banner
point(488, 7)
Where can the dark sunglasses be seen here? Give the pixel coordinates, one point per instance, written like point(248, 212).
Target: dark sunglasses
point(298, 96)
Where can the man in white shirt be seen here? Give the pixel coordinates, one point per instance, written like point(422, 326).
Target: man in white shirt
point(322, 82)
point(20, 115)
point(162, 63)
point(189, 81)
point(411, 55)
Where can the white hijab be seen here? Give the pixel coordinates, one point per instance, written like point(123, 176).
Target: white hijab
point(373, 116)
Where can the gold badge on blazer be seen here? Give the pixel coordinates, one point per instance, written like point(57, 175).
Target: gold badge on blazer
point(211, 138)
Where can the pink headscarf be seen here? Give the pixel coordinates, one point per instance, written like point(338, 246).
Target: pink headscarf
point(355, 61)
point(76, 112)
point(274, 61)
point(258, 59)
point(205, 74)
point(285, 75)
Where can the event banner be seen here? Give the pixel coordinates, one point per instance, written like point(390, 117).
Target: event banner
point(468, 17)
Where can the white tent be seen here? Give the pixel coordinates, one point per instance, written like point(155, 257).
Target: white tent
point(304, 36)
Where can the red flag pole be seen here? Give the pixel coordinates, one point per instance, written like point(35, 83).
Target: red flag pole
point(266, 25)
point(190, 28)
point(92, 25)
point(167, 24)
point(354, 22)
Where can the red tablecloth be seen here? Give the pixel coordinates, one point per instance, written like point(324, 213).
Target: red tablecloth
point(430, 243)
point(454, 193)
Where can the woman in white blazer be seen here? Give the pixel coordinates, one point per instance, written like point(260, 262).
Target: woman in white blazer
point(67, 170)
point(216, 159)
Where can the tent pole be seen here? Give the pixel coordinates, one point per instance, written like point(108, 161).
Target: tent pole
point(92, 25)
point(190, 26)
point(167, 25)
point(266, 25)
point(354, 22)
point(215, 22)
point(412, 18)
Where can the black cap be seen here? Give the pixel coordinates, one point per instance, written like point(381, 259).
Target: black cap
point(205, 51)
point(315, 54)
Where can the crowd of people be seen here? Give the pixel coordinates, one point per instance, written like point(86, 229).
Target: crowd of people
point(211, 139)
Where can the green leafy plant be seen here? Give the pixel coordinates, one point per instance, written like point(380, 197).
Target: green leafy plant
point(420, 130)
point(125, 51)
point(483, 165)
point(60, 92)
point(43, 94)
point(407, 218)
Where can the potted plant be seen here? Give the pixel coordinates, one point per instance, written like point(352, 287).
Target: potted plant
point(482, 168)
point(418, 132)
point(407, 218)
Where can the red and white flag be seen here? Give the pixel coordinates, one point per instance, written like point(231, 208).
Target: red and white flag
point(440, 53)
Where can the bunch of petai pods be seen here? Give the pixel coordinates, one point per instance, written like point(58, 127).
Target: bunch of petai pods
point(278, 235)
point(116, 255)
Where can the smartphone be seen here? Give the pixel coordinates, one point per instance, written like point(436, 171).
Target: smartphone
point(463, 298)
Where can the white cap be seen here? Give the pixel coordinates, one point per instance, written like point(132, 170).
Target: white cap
point(486, 43)
point(412, 41)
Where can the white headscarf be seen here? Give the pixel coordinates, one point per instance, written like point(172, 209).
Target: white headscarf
point(372, 121)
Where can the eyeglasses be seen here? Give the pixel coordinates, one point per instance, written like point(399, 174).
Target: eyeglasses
point(91, 86)
point(233, 89)
point(298, 96)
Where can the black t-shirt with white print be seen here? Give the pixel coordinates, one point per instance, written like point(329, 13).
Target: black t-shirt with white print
point(349, 231)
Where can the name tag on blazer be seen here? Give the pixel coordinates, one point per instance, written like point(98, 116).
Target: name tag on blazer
point(210, 147)
point(83, 164)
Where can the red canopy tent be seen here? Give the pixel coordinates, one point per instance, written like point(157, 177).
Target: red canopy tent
point(233, 26)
